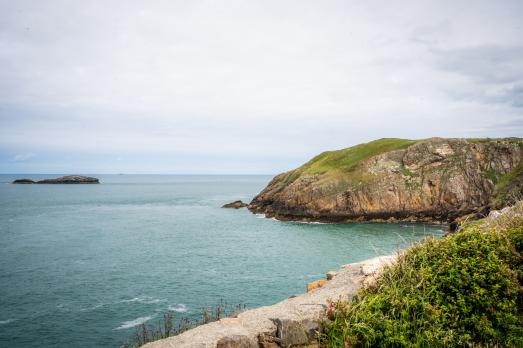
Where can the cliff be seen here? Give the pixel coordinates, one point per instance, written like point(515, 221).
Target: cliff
point(433, 180)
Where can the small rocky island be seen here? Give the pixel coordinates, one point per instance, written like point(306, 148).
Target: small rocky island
point(69, 179)
point(235, 205)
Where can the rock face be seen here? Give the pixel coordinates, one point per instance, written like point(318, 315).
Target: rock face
point(433, 180)
point(69, 179)
point(235, 205)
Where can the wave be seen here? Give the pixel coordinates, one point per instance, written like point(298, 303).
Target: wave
point(179, 308)
point(92, 308)
point(135, 322)
point(145, 300)
point(3, 322)
point(313, 222)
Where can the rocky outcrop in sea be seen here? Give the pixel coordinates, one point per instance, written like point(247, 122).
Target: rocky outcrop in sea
point(235, 205)
point(69, 179)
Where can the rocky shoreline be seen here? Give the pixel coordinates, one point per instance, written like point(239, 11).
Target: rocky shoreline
point(435, 219)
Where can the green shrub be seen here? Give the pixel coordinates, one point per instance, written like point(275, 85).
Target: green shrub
point(462, 290)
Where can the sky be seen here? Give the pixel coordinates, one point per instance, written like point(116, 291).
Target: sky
point(247, 87)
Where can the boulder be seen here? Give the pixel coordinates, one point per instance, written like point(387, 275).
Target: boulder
point(268, 341)
point(236, 341)
point(235, 205)
point(316, 284)
point(291, 333)
point(331, 275)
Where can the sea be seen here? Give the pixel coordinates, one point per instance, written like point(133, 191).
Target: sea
point(86, 265)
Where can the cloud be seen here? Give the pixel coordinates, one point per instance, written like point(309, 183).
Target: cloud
point(485, 63)
point(202, 86)
point(22, 157)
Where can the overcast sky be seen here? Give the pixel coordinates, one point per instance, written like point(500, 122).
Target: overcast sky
point(247, 86)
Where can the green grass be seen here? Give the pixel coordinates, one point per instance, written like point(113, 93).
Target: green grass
point(346, 159)
point(485, 140)
point(491, 174)
point(509, 188)
point(405, 172)
point(343, 163)
point(459, 291)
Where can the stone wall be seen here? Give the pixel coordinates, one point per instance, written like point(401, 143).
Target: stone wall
point(290, 323)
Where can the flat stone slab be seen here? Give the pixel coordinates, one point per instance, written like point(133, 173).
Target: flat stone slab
point(305, 308)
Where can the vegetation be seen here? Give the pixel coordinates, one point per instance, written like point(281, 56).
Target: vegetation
point(347, 159)
point(485, 140)
point(165, 327)
point(405, 172)
point(509, 188)
point(463, 290)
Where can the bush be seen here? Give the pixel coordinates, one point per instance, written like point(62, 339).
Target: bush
point(462, 290)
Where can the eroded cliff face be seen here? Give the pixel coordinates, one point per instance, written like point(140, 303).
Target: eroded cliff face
point(434, 180)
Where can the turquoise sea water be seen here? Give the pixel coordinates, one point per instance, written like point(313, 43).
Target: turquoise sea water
point(82, 265)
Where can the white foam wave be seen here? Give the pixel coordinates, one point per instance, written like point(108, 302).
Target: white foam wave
point(260, 216)
point(313, 222)
point(133, 323)
point(3, 322)
point(92, 308)
point(179, 308)
point(145, 300)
